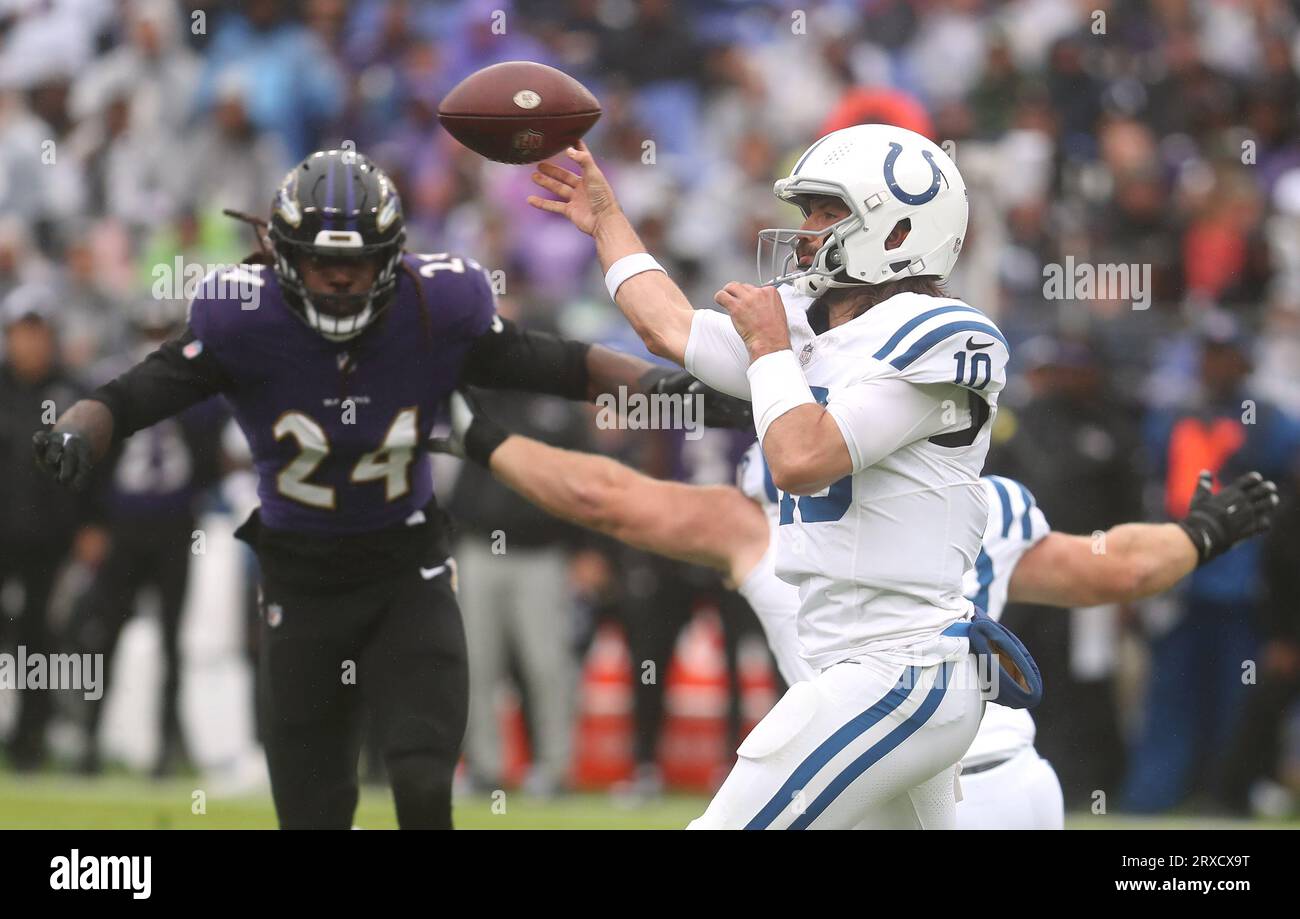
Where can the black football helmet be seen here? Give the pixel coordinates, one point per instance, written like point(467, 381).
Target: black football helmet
point(337, 204)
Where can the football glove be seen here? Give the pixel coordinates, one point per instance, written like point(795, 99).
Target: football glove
point(473, 434)
point(66, 455)
point(1217, 522)
point(719, 409)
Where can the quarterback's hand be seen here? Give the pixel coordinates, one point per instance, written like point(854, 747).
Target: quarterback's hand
point(585, 199)
point(473, 435)
point(758, 315)
point(719, 410)
point(66, 455)
point(1217, 522)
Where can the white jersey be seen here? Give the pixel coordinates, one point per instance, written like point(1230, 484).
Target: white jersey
point(1014, 526)
point(879, 555)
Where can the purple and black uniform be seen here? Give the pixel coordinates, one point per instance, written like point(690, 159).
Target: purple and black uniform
point(337, 392)
point(353, 548)
point(314, 410)
point(337, 429)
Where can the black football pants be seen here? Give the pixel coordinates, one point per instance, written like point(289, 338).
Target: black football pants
point(396, 646)
point(35, 568)
point(141, 555)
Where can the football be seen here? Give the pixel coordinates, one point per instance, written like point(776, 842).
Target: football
point(518, 111)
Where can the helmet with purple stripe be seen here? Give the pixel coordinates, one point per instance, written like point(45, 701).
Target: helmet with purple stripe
point(337, 232)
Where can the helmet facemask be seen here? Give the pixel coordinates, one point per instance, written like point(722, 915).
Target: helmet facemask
point(778, 257)
point(777, 248)
point(339, 316)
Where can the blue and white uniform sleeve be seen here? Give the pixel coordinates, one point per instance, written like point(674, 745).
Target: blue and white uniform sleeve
point(1015, 525)
point(877, 417)
point(716, 354)
point(954, 344)
point(1014, 515)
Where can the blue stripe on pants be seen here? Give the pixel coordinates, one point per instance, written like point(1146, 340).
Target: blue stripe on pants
point(824, 753)
point(878, 751)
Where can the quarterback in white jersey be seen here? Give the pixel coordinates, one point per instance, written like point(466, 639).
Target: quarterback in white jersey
point(875, 427)
point(1004, 783)
point(879, 554)
point(874, 424)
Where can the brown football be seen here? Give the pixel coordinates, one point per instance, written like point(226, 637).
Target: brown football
point(518, 111)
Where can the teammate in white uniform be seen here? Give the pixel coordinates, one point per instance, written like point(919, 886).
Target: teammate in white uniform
point(1005, 784)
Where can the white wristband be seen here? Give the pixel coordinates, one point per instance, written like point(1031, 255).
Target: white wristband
point(776, 385)
point(626, 267)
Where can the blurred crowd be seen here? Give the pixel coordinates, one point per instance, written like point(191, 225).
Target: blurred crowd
point(1158, 134)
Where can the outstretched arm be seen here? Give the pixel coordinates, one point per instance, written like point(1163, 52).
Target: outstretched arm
point(655, 306)
point(714, 526)
point(166, 382)
point(507, 357)
point(1136, 560)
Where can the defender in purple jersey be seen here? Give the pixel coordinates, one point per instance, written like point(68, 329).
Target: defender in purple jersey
point(335, 354)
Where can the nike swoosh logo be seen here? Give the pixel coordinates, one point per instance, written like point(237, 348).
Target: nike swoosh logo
point(971, 346)
point(430, 573)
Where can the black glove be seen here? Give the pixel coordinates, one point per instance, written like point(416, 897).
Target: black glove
point(719, 409)
point(1217, 522)
point(66, 455)
point(473, 434)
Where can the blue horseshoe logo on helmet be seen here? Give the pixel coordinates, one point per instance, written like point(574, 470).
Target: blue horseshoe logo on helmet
point(894, 150)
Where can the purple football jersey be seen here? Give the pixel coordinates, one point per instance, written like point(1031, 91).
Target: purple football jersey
point(337, 430)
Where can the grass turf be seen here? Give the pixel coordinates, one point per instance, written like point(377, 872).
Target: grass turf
point(52, 801)
point(120, 802)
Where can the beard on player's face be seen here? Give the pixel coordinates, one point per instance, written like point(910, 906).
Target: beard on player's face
point(823, 211)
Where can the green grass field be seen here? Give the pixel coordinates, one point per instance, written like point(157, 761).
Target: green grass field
point(120, 802)
point(54, 801)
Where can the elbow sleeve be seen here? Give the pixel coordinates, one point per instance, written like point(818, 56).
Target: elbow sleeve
point(878, 417)
point(716, 354)
point(539, 362)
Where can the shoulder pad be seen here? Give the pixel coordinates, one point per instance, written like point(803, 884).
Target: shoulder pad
point(461, 287)
point(226, 293)
point(1013, 512)
point(950, 342)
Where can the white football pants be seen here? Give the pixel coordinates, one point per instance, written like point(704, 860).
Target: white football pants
point(870, 742)
point(1022, 793)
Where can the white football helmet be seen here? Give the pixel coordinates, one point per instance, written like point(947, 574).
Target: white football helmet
point(884, 174)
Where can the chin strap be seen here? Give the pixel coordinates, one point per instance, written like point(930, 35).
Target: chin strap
point(812, 285)
point(815, 285)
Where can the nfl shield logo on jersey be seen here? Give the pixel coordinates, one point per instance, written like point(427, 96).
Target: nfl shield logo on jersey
point(274, 615)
